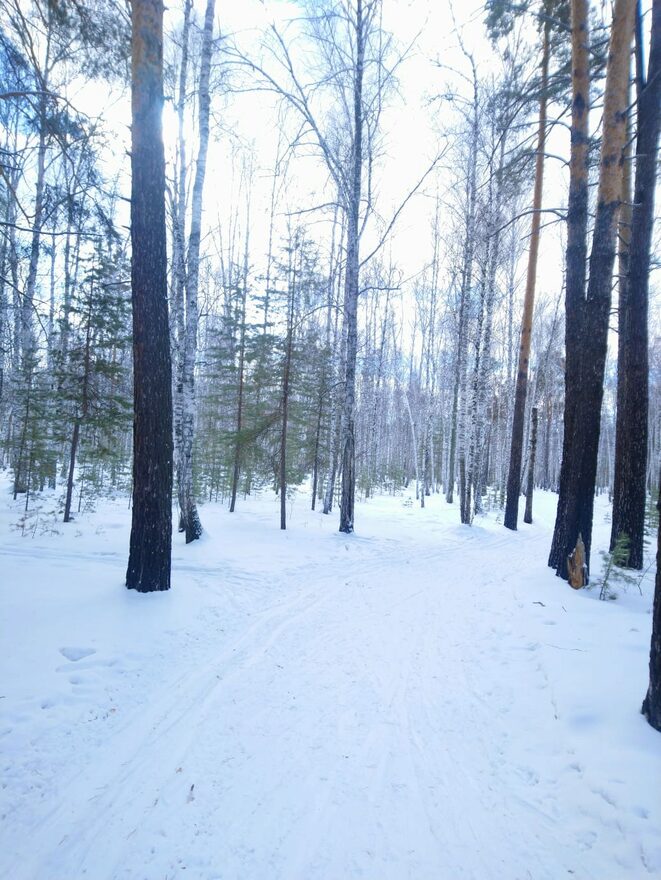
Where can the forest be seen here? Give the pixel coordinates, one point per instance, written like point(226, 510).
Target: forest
point(327, 255)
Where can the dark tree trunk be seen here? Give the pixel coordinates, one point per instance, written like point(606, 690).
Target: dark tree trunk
point(632, 414)
point(576, 502)
point(576, 255)
point(521, 393)
point(72, 467)
point(652, 703)
point(151, 527)
point(527, 516)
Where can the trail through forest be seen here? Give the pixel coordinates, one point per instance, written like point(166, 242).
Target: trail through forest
point(421, 700)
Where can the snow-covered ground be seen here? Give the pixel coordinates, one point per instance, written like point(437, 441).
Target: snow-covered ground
point(419, 700)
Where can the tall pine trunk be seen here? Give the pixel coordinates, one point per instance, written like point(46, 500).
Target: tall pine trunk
point(576, 502)
point(576, 254)
point(651, 708)
point(151, 526)
point(632, 416)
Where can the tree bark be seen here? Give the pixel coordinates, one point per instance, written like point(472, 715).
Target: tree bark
point(651, 708)
point(348, 439)
point(332, 319)
point(317, 439)
point(576, 254)
point(286, 381)
point(151, 527)
point(576, 502)
point(459, 402)
point(84, 408)
point(236, 470)
point(629, 495)
point(178, 307)
point(516, 449)
point(189, 517)
point(527, 516)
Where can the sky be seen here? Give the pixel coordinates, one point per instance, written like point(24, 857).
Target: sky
point(412, 126)
point(246, 123)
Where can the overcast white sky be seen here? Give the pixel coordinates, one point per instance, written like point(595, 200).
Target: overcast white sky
point(411, 128)
point(411, 124)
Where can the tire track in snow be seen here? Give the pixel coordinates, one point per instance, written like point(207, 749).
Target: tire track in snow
point(72, 830)
point(135, 754)
point(433, 765)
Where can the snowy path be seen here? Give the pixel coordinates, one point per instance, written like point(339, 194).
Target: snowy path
point(401, 705)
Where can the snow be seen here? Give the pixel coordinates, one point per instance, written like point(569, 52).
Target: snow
point(419, 700)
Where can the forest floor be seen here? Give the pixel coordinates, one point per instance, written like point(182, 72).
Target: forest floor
point(419, 700)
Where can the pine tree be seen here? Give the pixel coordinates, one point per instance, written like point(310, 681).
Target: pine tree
point(151, 526)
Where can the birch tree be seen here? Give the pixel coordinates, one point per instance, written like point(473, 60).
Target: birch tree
point(189, 520)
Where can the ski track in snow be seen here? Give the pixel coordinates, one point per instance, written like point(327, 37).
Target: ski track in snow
point(378, 707)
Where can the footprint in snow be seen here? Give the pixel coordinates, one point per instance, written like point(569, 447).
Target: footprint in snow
point(75, 654)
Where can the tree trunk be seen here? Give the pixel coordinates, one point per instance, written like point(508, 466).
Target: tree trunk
point(576, 254)
point(575, 505)
point(72, 467)
point(151, 527)
point(286, 375)
point(317, 439)
point(332, 319)
point(84, 408)
point(516, 449)
point(189, 517)
point(527, 517)
point(449, 492)
point(632, 415)
point(28, 340)
point(179, 251)
point(651, 708)
point(414, 447)
point(236, 470)
point(348, 439)
point(459, 398)
point(20, 484)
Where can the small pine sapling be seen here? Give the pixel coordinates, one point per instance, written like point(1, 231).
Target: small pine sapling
point(615, 572)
